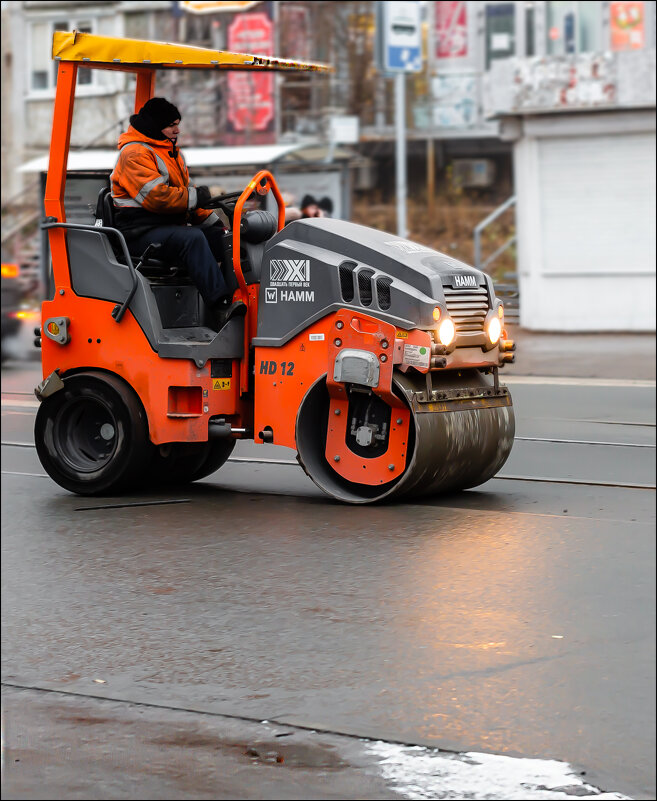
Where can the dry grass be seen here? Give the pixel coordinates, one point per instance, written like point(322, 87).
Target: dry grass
point(449, 229)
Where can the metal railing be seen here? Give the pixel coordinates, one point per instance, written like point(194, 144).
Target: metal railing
point(483, 224)
point(507, 290)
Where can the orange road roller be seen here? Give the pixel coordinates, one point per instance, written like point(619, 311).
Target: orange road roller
point(372, 356)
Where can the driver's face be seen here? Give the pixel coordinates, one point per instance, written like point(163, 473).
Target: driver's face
point(172, 131)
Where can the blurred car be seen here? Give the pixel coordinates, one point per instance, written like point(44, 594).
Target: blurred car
point(11, 300)
point(21, 314)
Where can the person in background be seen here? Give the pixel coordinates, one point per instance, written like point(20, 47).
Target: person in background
point(291, 211)
point(309, 207)
point(154, 203)
point(325, 206)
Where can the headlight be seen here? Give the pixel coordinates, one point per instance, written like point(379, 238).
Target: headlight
point(494, 329)
point(446, 332)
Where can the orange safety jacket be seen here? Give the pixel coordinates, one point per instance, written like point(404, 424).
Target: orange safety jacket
point(150, 186)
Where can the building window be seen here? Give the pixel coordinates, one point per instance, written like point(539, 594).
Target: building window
point(43, 70)
point(574, 27)
point(530, 26)
point(500, 31)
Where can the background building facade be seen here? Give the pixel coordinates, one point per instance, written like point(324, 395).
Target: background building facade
point(495, 74)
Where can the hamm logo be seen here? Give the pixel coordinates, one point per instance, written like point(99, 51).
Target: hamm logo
point(464, 281)
point(408, 247)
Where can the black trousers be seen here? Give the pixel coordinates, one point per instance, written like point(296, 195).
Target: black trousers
point(198, 249)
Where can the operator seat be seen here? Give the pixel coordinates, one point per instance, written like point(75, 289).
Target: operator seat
point(152, 266)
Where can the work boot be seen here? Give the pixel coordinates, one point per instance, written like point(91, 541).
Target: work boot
point(237, 309)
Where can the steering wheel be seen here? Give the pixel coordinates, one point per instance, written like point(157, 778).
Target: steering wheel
point(226, 203)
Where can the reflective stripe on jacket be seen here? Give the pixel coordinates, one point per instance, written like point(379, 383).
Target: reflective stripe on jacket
point(150, 187)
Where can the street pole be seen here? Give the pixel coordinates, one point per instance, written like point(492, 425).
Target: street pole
point(431, 171)
point(400, 127)
point(278, 76)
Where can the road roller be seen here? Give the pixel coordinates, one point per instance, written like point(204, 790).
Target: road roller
point(374, 357)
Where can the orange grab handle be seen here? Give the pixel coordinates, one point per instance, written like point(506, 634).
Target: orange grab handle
point(261, 183)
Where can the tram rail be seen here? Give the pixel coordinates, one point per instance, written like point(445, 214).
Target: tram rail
point(499, 477)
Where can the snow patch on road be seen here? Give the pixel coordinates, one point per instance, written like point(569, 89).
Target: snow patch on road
point(426, 773)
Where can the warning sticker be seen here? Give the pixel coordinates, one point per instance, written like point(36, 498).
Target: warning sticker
point(221, 383)
point(401, 335)
point(416, 355)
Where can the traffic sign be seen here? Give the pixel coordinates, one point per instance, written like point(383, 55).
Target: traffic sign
point(251, 95)
point(401, 36)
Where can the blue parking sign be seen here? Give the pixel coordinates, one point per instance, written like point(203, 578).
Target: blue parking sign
point(402, 37)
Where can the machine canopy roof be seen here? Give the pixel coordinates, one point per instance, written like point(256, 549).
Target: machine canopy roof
point(120, 53)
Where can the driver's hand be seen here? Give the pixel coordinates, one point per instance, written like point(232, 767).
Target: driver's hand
point(202, 196)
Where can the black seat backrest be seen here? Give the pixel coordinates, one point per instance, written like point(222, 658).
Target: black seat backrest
point(105, 214)
point(105, 207)
point(108, 209)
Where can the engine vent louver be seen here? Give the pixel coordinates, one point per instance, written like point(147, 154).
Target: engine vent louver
point(383, 292)
point(347, 282)
point(365, 287)
point(365, 282)
point(467, 308)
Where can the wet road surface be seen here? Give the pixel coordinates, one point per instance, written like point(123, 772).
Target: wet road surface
point(517, 618)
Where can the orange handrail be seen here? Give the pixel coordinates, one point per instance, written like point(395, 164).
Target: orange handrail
point(254, 185)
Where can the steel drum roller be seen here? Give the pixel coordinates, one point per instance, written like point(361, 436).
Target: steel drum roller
point(454, 443)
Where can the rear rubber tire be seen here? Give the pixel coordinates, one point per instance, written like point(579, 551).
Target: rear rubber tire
point(174, 463)
point(179, 463)
point(217, 456)
point(92, 436)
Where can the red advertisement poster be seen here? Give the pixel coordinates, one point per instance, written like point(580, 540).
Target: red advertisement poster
point(627, 26)
point(294, 30)
point(451, 29)
point(251, 94)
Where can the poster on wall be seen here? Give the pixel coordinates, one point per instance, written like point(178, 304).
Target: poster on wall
point(454, 101)
point(251, 102)
point(451, 29)
point(627, 25)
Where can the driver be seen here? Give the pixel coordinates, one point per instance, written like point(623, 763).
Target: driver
point(154, 203)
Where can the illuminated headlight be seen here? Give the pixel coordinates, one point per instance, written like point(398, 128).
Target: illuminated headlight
point(446, 332)
point(494, 329)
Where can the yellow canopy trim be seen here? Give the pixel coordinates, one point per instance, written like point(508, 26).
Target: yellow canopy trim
point(109, 50)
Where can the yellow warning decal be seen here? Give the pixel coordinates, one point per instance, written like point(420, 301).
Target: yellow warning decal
point(401, 335)
point(221, 383)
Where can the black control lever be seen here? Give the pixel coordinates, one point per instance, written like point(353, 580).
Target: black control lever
point(146, 255)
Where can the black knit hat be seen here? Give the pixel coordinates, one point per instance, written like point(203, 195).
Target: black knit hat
point(308, 200)
point(326, 204)
point(156, 114)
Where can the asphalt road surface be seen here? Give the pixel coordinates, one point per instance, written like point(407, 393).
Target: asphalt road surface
point(516, 619)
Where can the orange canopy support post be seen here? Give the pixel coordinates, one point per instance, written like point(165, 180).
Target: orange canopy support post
point(56, 179)
point(145, 88)
point(261, 183)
